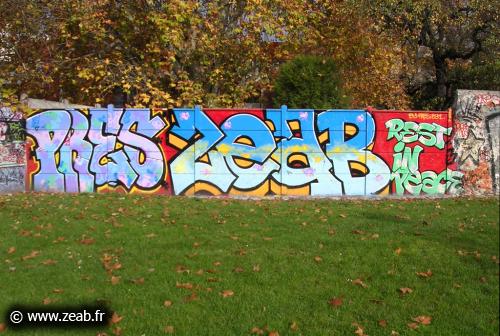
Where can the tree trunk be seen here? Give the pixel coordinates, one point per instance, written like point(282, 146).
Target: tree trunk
point(441, 77)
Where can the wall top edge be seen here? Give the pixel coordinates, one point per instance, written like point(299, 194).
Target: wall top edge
point(215, 110)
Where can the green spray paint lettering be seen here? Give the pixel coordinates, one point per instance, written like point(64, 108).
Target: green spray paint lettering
point(406, 163)
point(405, 172)
point(406, 132)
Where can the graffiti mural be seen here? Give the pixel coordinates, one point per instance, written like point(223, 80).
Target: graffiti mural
point(415, 144)
point(12, 151)
point(475, 141)
point(188, 151)
point(75, 151)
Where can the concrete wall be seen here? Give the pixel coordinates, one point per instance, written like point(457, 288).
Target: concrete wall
point(476, 140)
point(12, 151)
point(242, 152)
point(255, 151)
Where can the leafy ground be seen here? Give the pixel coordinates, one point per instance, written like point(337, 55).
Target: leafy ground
point(193, 266)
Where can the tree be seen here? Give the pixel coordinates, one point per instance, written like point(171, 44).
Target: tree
point(184, 52)
point(149, 53)
point(438, 35)
point(369, 58)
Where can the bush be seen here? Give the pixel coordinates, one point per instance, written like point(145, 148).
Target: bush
point(309, 82)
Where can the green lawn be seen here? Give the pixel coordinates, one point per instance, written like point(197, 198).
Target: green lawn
point(293, 267)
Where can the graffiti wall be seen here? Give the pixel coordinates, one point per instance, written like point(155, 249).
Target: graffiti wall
point(476, 140)
point(12, 151)
point(257, 152)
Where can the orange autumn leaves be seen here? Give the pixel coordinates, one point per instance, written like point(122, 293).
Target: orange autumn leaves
point(419, 320)
point(338, 301)
point(178, 53)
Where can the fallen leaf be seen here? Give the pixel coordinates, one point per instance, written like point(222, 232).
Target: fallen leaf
point(169, 329)
point(59, 239)
point(342, 215)
point(394, 333)
point(3, 327)
point(335, 302)
point(398, 250)
point(87, 241)
point(217, 263)
point(47, 301)
point(405, 290)
point(422, 319)
point(273, 333)
point(238, 270)
point(49, 262)
point(117, 331)
point(256, 268)
point(115, 318)
point(317, 259)
point(186, 285)
point(11, 250)
point(25, 233)
point(382, 323)
point(294, 326)
point(358, 231)
point(227, 293)
point(138, 281)
point(427, 274)
point(32, 255)
point(257, 330)
point(115, 280)
point(167, 303)
point(57, 291)
point(359, 329)
point(359, 282)
point(114, 267)
point(413, 325)
point(192, 297)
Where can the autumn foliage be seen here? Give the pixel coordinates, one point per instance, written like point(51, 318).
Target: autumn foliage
point(175, 53)
point(226, 53)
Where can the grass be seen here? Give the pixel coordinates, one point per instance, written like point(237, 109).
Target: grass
point(284, 262)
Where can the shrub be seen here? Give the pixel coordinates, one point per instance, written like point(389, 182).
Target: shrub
point(309, 82)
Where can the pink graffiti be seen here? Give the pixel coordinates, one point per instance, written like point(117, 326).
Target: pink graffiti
point(488, 100)
point(185, 115)
point(461, 129)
